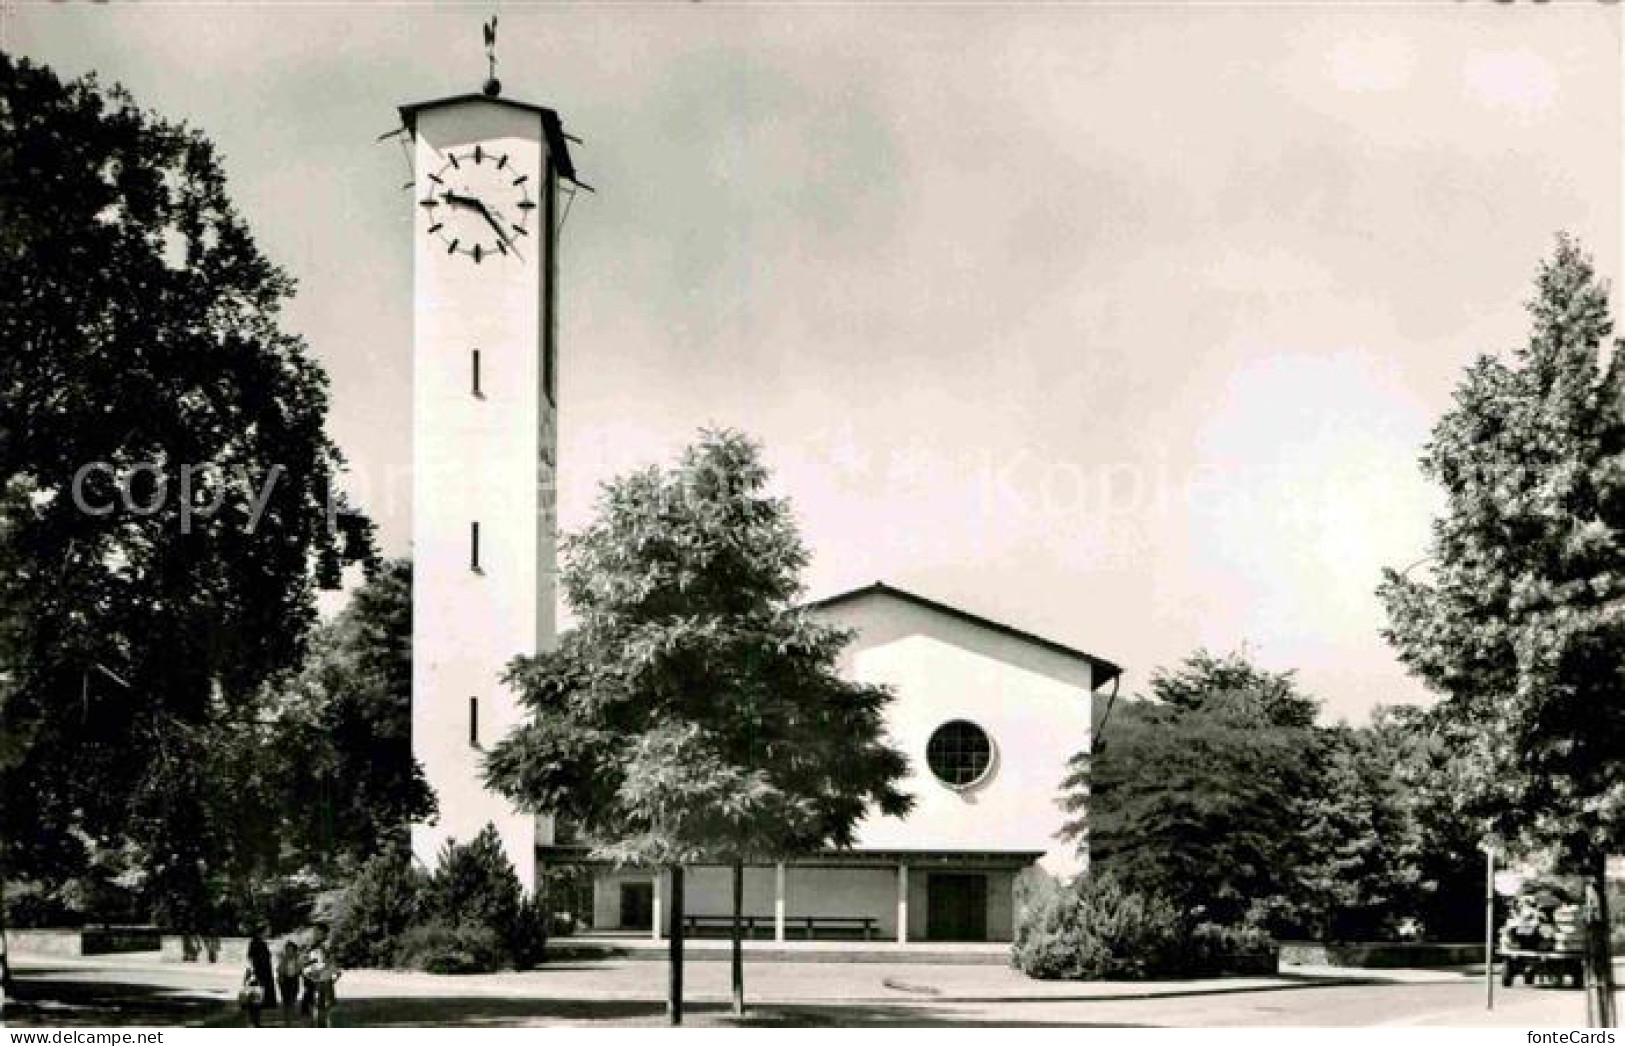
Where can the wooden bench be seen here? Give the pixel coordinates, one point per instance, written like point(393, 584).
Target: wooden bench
point(806, 924)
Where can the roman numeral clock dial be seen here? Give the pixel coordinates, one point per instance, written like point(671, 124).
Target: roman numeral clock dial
point(479, 206)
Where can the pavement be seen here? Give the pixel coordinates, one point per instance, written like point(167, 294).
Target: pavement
point(58, 992)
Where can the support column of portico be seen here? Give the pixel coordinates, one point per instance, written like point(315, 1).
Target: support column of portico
point(778, 902)
point(902, 903)
point(654, 909)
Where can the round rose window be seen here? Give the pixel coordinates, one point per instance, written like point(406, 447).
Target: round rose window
point(959, 753)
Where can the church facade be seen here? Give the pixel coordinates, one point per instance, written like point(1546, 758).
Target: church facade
point(988, 716)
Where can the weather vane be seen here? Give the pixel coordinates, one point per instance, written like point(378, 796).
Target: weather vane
point(493, 86)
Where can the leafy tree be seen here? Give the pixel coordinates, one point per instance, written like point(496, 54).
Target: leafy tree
point(695, 712)
point(1428, 771)
point(1194, 803)
point(1223, 797)
point(349, 785)
point(1205, 677)
point(142, 336)
point(1359, 845)
point(1519, 626)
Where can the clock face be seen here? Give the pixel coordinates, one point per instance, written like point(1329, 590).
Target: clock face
point(479, 206)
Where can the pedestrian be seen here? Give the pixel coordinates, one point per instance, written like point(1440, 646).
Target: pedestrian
point(251, 997)
point(259, 959)
point(287, 979)
point(321, 975)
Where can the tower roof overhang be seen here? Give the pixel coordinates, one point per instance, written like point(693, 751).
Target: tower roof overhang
point(558, 143)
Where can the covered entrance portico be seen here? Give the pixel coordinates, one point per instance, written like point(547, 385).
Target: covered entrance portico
point(898, 896)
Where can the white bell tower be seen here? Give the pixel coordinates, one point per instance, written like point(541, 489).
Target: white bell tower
point(486, 175)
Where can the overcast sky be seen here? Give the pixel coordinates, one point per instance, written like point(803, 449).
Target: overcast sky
point(1122, 324)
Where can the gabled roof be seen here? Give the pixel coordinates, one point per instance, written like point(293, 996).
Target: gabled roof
point(557, 141)
point(1101, 670)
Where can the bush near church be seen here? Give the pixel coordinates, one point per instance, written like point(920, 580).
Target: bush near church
point(442, 947)
point(469, 915)
point(1093, 929)
point(380, 905)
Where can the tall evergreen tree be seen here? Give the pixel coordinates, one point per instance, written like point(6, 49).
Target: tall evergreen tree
point(1521, 626)
point(695, 713)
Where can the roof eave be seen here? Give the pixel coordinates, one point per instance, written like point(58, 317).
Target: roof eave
point(1101, 671)
point(557, 142)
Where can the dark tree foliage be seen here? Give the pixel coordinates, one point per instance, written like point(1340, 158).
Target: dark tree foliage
point(382, 901)
point(345, 775)
point(141, 328)
point(1356, 868)
point(695, 712)
point(1195, 804)
point(474, 882)
point(1223, 796)
point(1429, 782)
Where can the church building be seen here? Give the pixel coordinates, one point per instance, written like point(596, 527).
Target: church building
point(988, 714)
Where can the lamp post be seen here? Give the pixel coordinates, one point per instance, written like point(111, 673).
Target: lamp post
point(1488, 846)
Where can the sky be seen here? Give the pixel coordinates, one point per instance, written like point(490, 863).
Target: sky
point(1122, 324)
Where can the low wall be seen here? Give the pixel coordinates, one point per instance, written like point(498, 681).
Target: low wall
point(107, 940)
point(45, 942)
point(191, 948)
point(118, 940)
point(1256, 964)
point(90, 940)
point(1378, 955)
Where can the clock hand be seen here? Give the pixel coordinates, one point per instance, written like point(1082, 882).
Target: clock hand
point(474, 203)
point(502, 233)
point(496, 221)
point(461, 201)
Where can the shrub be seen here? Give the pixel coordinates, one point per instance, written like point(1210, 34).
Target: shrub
point(527, 940)
point(475, 885)
point(470, 914)
point(1093, 929)
point(1214, 949)
point(441, 947)
point(373, 913)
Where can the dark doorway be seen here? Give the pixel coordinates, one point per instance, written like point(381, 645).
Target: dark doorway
point(956, 908)
point(637, 906)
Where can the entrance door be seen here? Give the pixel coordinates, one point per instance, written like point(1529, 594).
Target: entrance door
point(637, 906)
point(956, 907)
